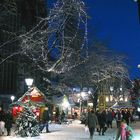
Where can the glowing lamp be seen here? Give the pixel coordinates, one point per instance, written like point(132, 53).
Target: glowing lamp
point(29, 82)
point(138, 109)
point(111, 88)
point(12, 98)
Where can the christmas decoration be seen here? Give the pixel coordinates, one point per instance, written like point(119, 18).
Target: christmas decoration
point(27, 124)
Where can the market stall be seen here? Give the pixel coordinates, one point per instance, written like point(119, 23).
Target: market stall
point(33, 98)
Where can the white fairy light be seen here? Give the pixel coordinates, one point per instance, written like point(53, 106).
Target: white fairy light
point(48, 37)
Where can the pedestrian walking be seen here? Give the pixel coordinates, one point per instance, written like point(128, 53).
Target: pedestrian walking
point(62, 116)
point(8, 122)
point(102, 122)
point(124, 132)
point(91, 122)
point(127, 117)
point(45, 120)
point(109, 118)
point(118, 118)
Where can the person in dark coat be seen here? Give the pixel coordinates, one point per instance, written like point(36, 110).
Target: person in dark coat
point(62, 116)
point(8, 122)
point(123, 112)
point(127, 117)
point(1, 114)
point(102, 122)
point(45, 120)
point(118, 118)
point(109, 118)
point(91, 122)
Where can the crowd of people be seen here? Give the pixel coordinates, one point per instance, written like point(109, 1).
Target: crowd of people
point(100, 121)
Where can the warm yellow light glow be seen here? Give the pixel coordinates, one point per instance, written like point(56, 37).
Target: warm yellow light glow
point(107, 99)
point(83, 94)
point(90, 104)
point(111, 98)
point(126, 99)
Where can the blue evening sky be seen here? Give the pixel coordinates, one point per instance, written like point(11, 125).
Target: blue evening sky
point(117, 21)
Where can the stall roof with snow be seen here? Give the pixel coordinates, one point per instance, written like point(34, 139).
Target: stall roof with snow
point(33, 96)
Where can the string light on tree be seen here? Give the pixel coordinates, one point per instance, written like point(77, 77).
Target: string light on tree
point(54, 37)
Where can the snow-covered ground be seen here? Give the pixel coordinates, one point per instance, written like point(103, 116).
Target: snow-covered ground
point(74, 131)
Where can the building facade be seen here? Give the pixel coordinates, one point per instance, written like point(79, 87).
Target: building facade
point(16, 17)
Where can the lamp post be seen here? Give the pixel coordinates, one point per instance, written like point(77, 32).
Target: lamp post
point(12, 98)
point(111, 90)
point(29, 82)
point(121, 92)
point(121, 88)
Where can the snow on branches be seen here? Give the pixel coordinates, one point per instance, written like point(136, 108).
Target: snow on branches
point(58, 42)
point(27, 124)
point(58, 39)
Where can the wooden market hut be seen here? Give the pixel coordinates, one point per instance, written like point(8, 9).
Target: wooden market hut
point(33, 98)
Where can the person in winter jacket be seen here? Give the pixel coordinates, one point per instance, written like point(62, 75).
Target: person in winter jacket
point(45, 120)
point(102, 122)
point(63, 116)
point(118, 118)
point(109, 118)
point(91, 122)
point(8, 122)
point(124, 132)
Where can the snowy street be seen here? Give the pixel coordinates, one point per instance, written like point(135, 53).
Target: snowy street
point(74, 131)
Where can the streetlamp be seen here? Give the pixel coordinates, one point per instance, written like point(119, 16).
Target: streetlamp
point(111, 88)
point(121, 88)
point(111, 95)
point(29, 82)
point(12, 98)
